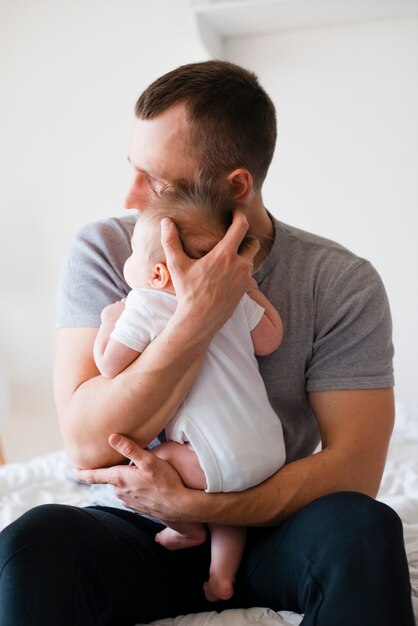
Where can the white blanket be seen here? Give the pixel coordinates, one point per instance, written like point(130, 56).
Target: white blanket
point(45, 479)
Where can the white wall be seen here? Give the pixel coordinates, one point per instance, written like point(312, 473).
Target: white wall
point(346, 164)
point(71, 72)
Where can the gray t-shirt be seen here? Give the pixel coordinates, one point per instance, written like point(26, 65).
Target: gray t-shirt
point(336, 318)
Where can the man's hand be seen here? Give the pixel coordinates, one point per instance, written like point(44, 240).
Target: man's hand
point(210, 288)
point(150, 486)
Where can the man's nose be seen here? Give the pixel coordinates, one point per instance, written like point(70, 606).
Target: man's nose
point(133, 199)
point(128, 202)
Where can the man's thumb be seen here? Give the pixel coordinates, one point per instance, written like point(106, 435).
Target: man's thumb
point(125, 446)
point(170, 239)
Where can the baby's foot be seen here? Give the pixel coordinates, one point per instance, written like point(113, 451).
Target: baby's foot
point(173, 540)
point(218, 589)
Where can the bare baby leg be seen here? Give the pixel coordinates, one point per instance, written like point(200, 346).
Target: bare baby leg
point(227, 542)
point(181, 535)
point(227, 546)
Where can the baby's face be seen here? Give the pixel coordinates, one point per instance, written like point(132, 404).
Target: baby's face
point(138, 267)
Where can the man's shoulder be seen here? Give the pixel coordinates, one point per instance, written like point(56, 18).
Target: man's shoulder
point(110, 230)
point(312, 254)
point(310, 242)
point(308, 263)
point(92, 271)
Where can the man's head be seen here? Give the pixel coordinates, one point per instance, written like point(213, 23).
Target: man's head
point(212, 117)
point(202, 215)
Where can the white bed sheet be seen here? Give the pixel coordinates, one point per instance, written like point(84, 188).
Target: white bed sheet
point(45, 479)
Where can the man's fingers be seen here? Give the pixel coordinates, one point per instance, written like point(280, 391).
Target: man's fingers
point(113, 475)
point(249, 249)
point(170, 240)
point(234, 236)
point(237, 231)
point(105, 476)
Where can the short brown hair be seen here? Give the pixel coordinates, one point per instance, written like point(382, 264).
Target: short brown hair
point(232, 119)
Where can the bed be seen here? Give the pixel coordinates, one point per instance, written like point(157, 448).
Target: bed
point(47, 479)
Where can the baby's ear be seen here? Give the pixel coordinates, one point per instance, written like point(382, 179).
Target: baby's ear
point(160, 276)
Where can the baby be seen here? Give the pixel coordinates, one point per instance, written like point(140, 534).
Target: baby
point(225, 436)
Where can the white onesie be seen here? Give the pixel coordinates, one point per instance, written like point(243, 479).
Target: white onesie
point(226, 416)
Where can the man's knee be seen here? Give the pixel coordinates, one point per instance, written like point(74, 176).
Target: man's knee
point(356, 516)
point(32, 526)
point(46, 554)
point(48, 525)
point(333, 523)
point(359, 536)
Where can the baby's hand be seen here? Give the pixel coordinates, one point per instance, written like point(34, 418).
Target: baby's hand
point(252, 285)
point(112, 312)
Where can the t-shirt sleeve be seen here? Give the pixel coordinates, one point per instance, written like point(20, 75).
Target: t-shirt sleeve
point(91, 275)
point(352, 344)
point(134, 327)
point(253, 311)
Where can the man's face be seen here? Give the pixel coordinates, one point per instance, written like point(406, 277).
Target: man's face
point(159, 155)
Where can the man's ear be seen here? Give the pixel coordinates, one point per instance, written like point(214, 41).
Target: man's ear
point(160, 276)
point(240, 183)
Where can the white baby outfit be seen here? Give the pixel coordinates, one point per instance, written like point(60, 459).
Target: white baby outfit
point(226, 416)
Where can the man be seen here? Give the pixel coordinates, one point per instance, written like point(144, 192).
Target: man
point(318, 542)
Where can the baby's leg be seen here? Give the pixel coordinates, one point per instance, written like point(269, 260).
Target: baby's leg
point(227, 544)
point(180, 535)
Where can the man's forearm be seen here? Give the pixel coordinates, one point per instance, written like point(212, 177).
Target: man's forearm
point(292, 487)
point(356, 427)
point(139, 402)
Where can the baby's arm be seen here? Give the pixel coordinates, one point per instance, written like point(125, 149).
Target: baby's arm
point(111, 356)
point(268, 334)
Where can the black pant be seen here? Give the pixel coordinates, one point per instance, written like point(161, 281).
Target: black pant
point(340, 561)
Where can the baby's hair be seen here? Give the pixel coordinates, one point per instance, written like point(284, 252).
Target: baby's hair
point(201, 212)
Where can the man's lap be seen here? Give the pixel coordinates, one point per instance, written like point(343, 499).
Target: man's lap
point(118, 568)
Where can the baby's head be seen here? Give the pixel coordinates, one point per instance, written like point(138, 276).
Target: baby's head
point(202, 215)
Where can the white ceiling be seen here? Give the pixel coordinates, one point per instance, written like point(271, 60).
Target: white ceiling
point(235, 18)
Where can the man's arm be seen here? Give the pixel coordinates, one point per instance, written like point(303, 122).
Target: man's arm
point(355, 426)
point(141, 400)
point(138, 402)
